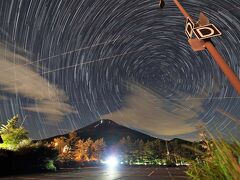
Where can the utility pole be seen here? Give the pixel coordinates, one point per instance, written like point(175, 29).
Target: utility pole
point(203, 30)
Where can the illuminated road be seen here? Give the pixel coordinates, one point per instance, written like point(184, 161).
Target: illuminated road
point(123, 173)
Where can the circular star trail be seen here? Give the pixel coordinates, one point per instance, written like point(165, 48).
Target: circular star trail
point(65, 64)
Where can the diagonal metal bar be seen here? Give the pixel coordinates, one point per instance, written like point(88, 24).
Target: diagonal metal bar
point(225, 68)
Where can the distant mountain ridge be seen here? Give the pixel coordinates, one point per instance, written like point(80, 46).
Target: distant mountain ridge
point(111, 132)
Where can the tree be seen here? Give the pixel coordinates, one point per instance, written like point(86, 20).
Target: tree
point(139, 150)
point(13, 134)
point(72, 139)
point(127, 148)
point(97, 149)
point(149, 152)
point(59, 143)
point(89, 150)
point(154, 151)
point(63, 148)
point(81, 151)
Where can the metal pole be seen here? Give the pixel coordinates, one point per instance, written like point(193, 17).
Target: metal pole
point(183, 11)
point(232, 77)
point(223, 66)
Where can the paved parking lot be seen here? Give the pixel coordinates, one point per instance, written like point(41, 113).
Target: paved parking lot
point(119, 173)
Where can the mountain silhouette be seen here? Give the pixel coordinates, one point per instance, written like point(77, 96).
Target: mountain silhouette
point(109, 130)
point(112, 132)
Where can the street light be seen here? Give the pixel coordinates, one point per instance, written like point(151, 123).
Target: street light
point(203, 41)
point(112, 162)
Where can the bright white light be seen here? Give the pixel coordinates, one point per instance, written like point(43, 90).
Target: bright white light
point(112, 162)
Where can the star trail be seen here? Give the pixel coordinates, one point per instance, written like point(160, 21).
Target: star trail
point(66, 64)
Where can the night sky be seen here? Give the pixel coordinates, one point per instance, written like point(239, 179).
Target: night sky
point(67, 63)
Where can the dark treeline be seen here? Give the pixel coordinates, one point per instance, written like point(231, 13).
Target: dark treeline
point(19, 154)
point(157, 152)
point(73, 151)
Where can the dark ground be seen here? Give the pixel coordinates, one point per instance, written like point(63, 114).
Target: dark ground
point(120, 173)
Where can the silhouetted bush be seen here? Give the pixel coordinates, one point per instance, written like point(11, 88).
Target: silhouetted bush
point(35, 158)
